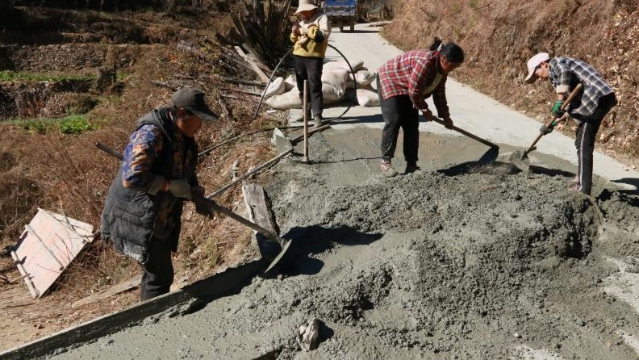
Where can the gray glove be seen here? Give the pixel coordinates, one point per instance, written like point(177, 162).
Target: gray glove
point(180, 188)
point(545, 130)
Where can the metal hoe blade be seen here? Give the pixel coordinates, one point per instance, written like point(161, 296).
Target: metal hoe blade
point(285, 245)
point(520, 160)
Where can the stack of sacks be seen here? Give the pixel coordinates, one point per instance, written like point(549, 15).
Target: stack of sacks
point(338, 84)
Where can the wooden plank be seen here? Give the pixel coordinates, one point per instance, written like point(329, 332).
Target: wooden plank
point(121, 287)
point(244, 91)
point(258, 210)
point(25, 275)
point(242, 81)
point(239, 62)
point(256, 58)
point(45, 247)
point(252, 63)
point(48, 246)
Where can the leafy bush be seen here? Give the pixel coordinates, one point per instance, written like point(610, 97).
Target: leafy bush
point(74, 124)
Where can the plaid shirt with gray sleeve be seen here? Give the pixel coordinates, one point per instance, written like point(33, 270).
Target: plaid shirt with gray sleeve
point(410, 74)
point(566, 73)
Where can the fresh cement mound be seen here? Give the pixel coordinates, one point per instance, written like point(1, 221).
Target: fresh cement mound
point(470, 261)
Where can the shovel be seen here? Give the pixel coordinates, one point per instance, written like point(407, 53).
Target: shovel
point(211, 205)
point(489, 157)
point(519, 159)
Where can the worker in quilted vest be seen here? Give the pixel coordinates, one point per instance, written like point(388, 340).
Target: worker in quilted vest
point(142, 211)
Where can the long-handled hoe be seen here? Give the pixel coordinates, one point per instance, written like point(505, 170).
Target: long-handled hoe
point(520, 159)
point(206, 203)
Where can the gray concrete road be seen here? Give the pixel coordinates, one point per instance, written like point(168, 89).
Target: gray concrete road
point(470, 110)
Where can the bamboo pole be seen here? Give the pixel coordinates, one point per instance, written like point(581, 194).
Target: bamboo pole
point(304, 107)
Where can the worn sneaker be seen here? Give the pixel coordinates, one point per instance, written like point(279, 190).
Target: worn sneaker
point(387, 168)
point(318, 121)
point(412, 168)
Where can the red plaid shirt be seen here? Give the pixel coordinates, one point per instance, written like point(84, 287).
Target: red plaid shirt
point(411, 73)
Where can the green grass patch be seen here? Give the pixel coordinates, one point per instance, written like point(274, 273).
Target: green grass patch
point(72, 124)
point(8, 75)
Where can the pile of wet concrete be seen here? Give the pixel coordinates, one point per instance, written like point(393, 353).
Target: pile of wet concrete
point(464, 262)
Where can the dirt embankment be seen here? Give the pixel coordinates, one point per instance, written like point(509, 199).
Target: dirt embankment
point(499, 36)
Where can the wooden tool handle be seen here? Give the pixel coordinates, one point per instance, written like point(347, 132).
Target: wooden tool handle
point(212, 205)
point(109, 150)
point(466, 133)
point(572, 95)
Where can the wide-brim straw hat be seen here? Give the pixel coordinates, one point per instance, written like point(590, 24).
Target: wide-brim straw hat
point(305, 5)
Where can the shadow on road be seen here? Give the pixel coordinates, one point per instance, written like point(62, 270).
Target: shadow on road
point(358, 119)
point(347, 160)
point(550, 172)
point(311, 240)
point(363, 31)
point(628, 181)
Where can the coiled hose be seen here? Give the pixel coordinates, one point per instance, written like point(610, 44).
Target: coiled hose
point(270, 79)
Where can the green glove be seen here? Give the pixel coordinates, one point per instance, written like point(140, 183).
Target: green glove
point(180, 188)
point(556, 110)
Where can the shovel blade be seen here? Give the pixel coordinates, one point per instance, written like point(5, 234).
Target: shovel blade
point(489, 156)
point(281, 142)
point(520, 160)
point(285, 244)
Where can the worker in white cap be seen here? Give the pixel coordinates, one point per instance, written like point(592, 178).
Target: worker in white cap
point(587, 108)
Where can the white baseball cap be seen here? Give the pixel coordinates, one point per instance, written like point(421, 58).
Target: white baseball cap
point(533, 63)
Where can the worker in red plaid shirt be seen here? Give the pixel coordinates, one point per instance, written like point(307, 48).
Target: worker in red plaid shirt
point(404, 83)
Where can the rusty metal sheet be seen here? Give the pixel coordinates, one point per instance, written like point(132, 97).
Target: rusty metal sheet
point(47, 246)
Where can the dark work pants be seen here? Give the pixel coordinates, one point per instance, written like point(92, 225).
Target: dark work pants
point(158, 271)
point(585, 141)
point(310, 69)
point(398, 111)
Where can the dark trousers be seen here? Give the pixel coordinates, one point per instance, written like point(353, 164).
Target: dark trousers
point(398, 112)
point(158, 271)
point(310, 69)
point(585, 141)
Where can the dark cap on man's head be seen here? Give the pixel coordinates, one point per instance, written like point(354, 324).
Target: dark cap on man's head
point(192, 99)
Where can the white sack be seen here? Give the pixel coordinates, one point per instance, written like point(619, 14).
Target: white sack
point(276, 87)
point(290, 82)
point(356, 65)
point(336, 78)
point(288, 100)
point(332, 94)
point(367, 98)
point(364, 77)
